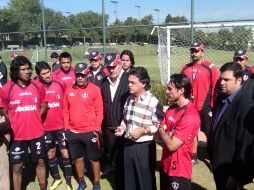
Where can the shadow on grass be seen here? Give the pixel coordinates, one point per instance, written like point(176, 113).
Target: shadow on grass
point(203, 155)
point(195, 186)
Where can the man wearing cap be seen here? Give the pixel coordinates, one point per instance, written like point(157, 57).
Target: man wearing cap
point(203, 76)
point(97, 72)
point(83, 114)
point(115, 92)
point(241, 57)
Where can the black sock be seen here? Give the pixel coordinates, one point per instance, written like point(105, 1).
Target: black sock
point(67, 170)
point(53, 166)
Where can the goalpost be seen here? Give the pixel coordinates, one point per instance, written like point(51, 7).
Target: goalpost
point(39, 54)
point(174, 42)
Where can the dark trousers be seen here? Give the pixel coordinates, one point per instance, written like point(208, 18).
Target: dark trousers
point(172, 183)
point(139, 165)
point(114, 148)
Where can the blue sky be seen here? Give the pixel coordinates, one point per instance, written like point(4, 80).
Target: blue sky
point(205, 10)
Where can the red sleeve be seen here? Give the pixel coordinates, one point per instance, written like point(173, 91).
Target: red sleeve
point(4, 102)
point(66, 110)
point(215, 77)
point(98, 109)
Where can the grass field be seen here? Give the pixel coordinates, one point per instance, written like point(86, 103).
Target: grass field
point(202, 178)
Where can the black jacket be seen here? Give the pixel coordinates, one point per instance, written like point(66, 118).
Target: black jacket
point(230, 144)
point(113, 111)
point(4, 127)
point(3, 74)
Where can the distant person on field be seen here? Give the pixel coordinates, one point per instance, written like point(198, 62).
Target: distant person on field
point(3, 72)
point(203, 76)
point(127, 59)
point(143, 114)
point(13, 55)
point(66, 71)
point(231, 139)
point(83, 114)
point(177, 131)
point(55, 61)
point(97, 72)
point(53, 124)
point(23, 99)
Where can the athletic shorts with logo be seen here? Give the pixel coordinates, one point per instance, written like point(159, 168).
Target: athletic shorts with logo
point(83, 145)
point(51, 137)
point(19, 150)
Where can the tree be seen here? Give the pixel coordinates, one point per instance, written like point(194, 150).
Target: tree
point(177, 19)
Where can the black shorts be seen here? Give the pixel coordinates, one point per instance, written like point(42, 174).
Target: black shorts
point(51, 137)
point(172, 183)
point(206, 120)
point(19, 150)
point(83, 144)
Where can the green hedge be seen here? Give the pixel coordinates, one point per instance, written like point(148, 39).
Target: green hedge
point(159, 91)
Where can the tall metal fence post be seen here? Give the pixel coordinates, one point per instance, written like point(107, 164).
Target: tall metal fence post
point(103, 28)
point(44, 30)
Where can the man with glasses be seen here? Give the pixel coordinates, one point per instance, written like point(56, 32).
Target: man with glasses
point(97, 72)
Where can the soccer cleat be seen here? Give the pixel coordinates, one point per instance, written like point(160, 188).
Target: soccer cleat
point(55, 184)
point(68, 187)
point(82, 186)
point(96, 187)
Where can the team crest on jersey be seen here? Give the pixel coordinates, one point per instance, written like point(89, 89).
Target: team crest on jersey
point(35, 99)
point(17, 149)
point(175, 185)
point(84, 95)
point(109, 57)
point(99, 77)
point(245, 77)
point(58, 96)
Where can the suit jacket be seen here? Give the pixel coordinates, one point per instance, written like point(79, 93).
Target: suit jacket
point(113, 110)
point(231, 142)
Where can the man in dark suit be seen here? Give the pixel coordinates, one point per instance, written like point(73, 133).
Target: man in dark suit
point(231, 135)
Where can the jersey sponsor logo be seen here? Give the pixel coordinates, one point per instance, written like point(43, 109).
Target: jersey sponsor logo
point(85, 95)
point(53, 104)
point(50, 92)
point(67, 78)
point(26, 108)
point(58, 96)
point(16, 157)
point(17, 149)
point(170, 118)
point(71, 94)
point(15, 102)
point(25, 94)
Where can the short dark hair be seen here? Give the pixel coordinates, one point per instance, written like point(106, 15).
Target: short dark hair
point(65, 55)
point(16, 63)
point(41, 65)
point(131, 56)
point(54, 55)
point(232, 66)
point(142, 74)
point(182, 81)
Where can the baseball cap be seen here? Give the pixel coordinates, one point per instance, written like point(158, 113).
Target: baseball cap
point(111, 60)
point(95, 55)
point(81, 68)
point(241, 54)
point(197, 46)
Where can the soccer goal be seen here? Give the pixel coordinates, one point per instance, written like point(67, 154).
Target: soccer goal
point(39, 54)
point(221, 40)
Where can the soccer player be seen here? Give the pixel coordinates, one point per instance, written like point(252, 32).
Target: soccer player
point(66, 71)
point(83, 114)
point(177, 132)
point(54, 125)
point(203, 76)
point(143, 114)
point(24, 101)
point(55, 61)
point(97, 72)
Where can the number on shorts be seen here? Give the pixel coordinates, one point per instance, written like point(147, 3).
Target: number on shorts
point(38, 144)
point(64, 136)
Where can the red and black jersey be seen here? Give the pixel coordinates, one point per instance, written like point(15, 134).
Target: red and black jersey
point(203, 77)
point(98, 77)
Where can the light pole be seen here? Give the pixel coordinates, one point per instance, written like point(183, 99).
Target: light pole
point(44, 30)
point(115, 4)
point(158, 14)
point(192, 21)
point(138, 6)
